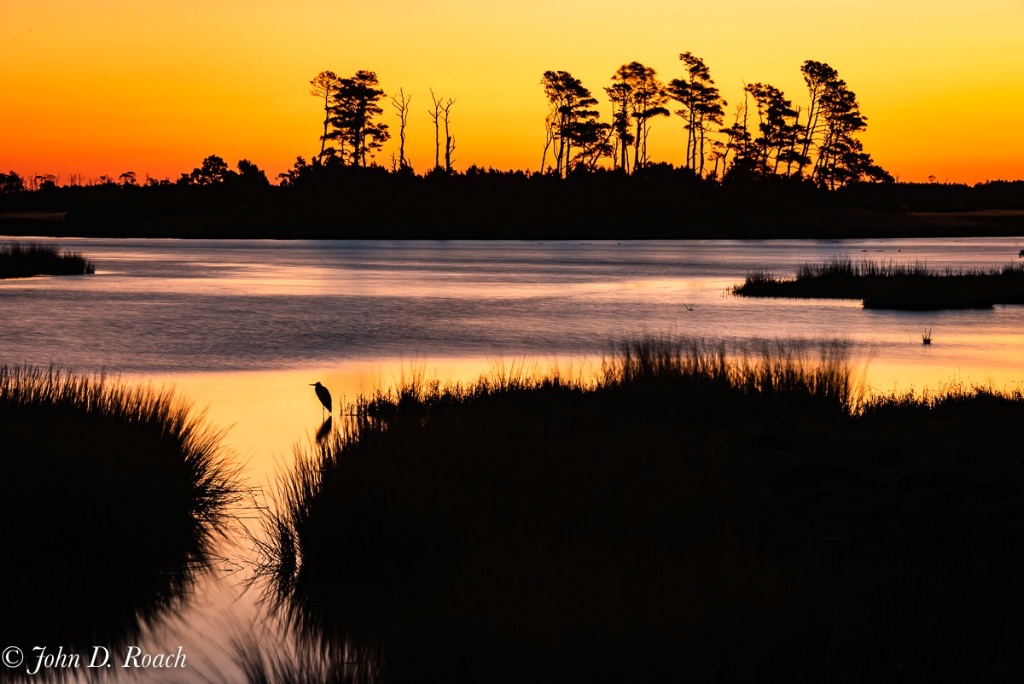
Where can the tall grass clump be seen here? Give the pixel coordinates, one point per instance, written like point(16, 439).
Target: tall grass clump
point(889, 285)
point(22, 261)
point(112, 495)
point(628, 529)
point(845, 267)
point(696, 513)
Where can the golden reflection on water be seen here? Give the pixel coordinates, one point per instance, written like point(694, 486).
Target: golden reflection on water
point(267, 415)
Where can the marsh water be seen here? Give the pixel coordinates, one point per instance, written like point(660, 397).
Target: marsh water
point(241, 328)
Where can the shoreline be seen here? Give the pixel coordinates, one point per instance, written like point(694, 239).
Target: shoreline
point(838, 224)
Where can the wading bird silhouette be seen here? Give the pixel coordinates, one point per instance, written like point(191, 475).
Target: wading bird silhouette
point(323, 395)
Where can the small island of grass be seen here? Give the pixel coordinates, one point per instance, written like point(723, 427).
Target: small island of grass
point(24, 261)
point(909, 287)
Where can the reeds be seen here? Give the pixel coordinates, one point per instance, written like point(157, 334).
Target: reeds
point(22, 261)
point(113, 496)
point(698, 512)
point(889, 285)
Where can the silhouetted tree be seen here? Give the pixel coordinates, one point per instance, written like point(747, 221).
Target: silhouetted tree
point(435, 116)
point(819, 77)
point(45, 181)
point(745, 162)
point(702, 107)
point(324, 86)
point(213, 171)
point(401, 104)
point(449, 139)
point(11, 183)
point(841, 157)
point(778, 127)
point(833, 121)
point(251, 175)
point(572, 123)
point(299, 169)
point(442, 113)
point(639, 95)
point(618, 94)
point(353, 108)
point(128, 178)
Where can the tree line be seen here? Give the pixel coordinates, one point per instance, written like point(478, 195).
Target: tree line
point(764, 136)
point(818, 142)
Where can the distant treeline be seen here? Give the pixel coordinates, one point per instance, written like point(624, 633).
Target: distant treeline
point(767, 134)
point(658, 201)
point(772, 169)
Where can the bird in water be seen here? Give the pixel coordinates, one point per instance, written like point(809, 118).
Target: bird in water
point(323, 395)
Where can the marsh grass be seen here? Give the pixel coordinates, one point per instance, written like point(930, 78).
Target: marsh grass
point(695, 513)
point(889, 285)
point(112, 497)
point(22, 261)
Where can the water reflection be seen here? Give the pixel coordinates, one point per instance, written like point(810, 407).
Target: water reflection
point(361, 316)
point(325, 430)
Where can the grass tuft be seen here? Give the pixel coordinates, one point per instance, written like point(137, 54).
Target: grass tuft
point(113, 495)
point(889, 285)
point(22, 261)
point(696, 512)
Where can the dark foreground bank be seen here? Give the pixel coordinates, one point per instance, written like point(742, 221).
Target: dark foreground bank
point(693, 517)
point(111, 497)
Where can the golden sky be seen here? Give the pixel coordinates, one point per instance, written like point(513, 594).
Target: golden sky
point(153, 86)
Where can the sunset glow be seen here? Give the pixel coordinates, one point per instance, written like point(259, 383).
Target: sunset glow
point(109, 86)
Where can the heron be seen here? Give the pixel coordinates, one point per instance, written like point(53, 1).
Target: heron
point(323, 395)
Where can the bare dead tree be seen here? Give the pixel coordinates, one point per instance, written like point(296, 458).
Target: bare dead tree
point(449, 139)
point(436, 117)
point(549, 138)
point(401, 103)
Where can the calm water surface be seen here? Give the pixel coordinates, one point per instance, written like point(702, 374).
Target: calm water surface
point(242, 327)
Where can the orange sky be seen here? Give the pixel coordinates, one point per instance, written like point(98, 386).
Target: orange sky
point(153, 86)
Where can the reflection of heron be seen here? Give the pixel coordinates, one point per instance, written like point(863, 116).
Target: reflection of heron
point(323, 395)
point(325, 430)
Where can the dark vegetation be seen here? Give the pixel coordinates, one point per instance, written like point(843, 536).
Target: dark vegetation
point(341, 202)
point(766, 168)
point(692, 517)
point(893, 286)
point(111, 498)
point(22, 261)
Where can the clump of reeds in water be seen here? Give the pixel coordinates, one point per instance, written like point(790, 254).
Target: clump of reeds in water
point(588, 531)
point(890, 285)
point(695, 513)
point(112, 495)
point(24, 260)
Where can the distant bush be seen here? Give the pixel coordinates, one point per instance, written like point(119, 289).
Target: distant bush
point(892, 285)
point(22, 261)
